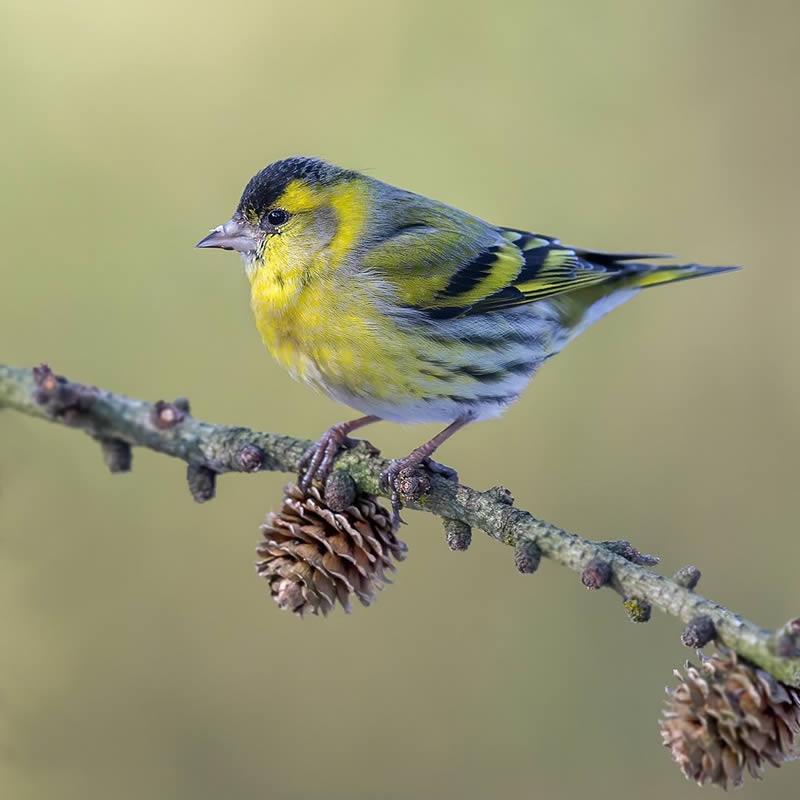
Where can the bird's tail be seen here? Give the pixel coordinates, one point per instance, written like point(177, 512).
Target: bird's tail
point(582, 308)
point(643, 275)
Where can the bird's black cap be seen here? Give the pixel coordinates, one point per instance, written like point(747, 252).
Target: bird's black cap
point(266, 186)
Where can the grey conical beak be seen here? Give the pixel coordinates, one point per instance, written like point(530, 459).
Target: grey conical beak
point(233, 235)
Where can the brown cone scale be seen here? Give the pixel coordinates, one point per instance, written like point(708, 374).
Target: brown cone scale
point(727, 716)
point(314, 557)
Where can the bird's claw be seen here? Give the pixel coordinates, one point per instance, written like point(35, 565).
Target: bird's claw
point(388, 482)
point(317, 461)
point(407, 479)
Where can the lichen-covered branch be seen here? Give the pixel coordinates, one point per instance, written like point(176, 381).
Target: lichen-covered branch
point(119, 423)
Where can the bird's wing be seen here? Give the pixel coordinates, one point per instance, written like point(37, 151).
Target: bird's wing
point(436, 256)
point(551, 268)
point(456, 266)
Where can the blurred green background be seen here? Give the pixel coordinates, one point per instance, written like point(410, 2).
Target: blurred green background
point(141, 655)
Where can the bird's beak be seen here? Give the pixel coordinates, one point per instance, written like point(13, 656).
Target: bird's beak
point(235, 234)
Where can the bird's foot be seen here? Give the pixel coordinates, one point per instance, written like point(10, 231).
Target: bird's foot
point(408, 479)
point(317, 461)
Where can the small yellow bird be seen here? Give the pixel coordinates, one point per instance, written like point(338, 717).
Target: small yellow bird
point(408, 309)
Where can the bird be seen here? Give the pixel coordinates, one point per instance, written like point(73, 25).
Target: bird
point(410, 310)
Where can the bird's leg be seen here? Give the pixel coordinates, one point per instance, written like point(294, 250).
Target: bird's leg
point(317, 461)
point(419, 457)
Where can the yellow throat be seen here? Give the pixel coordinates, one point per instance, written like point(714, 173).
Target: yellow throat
point(305, 316)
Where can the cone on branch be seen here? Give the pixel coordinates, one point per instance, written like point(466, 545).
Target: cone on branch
point(314, 557)
point(727, 716)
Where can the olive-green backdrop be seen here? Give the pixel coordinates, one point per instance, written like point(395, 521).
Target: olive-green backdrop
point(141, 656)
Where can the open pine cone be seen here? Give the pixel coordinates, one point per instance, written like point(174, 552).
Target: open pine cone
point(312, 556)
point(727, 715)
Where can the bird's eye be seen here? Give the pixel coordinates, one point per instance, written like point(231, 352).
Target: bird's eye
point(277, 217)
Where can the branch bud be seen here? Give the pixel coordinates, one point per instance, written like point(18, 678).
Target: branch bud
point(786, 647)
point(202, 482)
point(457, 533)
point(59, 397)
point(44, 378)
point(340, 491)
point(630, 553)
point(638, 610)
point(411, 484)
point(527, 556)
point(165, 415)
point(687, 577)
point(699, 632)
point(117, 455)
point(596, 574)
point(250, 458)
point(501, 495)
point(787, 639)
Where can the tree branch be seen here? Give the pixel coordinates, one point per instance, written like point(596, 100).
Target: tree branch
point(119, 422)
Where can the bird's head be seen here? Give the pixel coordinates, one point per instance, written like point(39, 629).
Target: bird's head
point(291, 210)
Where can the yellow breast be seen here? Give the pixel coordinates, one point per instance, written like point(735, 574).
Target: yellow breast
point(314, 315)
point(322, 332)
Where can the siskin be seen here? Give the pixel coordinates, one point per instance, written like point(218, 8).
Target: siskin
point(408, 309)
